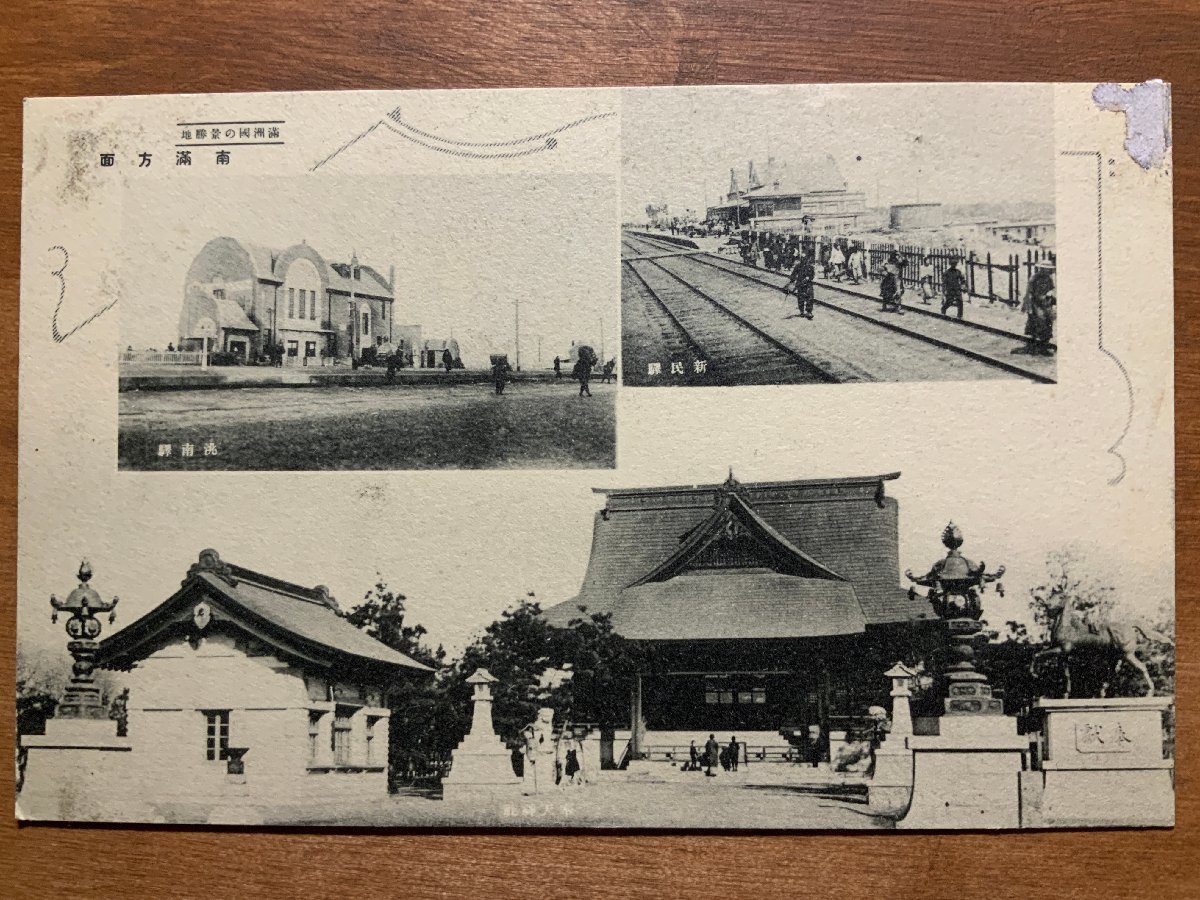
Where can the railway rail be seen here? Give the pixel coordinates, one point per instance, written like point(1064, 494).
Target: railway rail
point(717, 345)
point(955, 348)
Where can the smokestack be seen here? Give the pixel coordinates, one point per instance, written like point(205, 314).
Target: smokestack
point(392, 279)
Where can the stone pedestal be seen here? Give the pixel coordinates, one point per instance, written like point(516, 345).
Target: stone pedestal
point(481, 764)
point(1102, 764)
point(968, 775)
point(79, 770)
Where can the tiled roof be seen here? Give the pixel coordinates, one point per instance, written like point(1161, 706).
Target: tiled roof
point(807, 177)
point(738, 604)
point(296, 619)
point(231, 315)
point(312, 620)
point(370, 282)
point(848, 525)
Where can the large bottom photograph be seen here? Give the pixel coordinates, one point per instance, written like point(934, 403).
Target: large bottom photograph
point(739, 655)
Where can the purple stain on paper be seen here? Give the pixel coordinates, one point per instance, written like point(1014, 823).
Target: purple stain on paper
point(1147, 108)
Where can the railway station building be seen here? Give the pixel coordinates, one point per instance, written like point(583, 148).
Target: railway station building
point(769, 610)
point(809, 197)
point(243, 298)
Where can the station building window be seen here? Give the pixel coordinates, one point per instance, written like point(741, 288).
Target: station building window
point(216, 740)
point(310, 349)
point(291, 303)
point(293, 348)
point(314, 732)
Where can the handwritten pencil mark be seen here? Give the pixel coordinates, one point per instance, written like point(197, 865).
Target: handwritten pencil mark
point(60, 274)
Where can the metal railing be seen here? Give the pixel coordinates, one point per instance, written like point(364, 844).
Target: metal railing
point(163, 357)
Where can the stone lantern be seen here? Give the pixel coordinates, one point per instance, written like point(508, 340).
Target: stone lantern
point(966, 775)
point(81, 698)
point(955, 584)
point(80, 768)
point(481, 764)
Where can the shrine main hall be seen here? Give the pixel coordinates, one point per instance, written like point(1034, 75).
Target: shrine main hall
point(771, 610)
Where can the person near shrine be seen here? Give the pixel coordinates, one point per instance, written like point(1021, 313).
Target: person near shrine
point(712, 755)
point(557, 367)
point(801, 281)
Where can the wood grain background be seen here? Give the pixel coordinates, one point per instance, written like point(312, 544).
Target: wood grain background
point(73, 47)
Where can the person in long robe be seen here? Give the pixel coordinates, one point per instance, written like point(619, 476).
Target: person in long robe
point(1041, 309)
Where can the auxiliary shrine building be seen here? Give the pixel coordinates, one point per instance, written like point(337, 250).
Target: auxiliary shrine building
point(245, 688)
point(769, 608)
point(243, 298)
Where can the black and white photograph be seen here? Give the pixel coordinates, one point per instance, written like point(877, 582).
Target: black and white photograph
point(322, 521)
point(337, 322)
point(826, 234)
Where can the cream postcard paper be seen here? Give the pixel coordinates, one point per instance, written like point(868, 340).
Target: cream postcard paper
point(664, 457)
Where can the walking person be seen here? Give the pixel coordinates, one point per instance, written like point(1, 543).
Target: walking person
point(733, 752)
point(500, 372)
point(953, 288)
point(712, 753)
point(1041, 308)
point(557, 368)
point(891, 288)
point(693, 758)
point(447, 360)
point(837, 262)
point(583, 372)
point(852, 264)
point(925, 279)
point(801, 281)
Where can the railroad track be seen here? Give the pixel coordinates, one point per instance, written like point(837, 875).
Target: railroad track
point(983, 345)
point(732, 349)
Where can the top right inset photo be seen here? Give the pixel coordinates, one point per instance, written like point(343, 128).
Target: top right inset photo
point(812, 234)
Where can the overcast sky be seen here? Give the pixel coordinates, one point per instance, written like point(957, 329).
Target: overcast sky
point(466, 249)
point(463, 546)
point(953, 143)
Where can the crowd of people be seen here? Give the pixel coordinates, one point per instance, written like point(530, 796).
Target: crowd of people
point(843, 261)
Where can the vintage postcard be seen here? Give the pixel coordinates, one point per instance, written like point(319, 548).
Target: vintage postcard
point(345, 498)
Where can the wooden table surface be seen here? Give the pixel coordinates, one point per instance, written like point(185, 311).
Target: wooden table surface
point(73, 47)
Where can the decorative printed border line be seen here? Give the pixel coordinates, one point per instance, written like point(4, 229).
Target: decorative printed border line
point(525, 146)
point(58, 273)
point(1112, 450)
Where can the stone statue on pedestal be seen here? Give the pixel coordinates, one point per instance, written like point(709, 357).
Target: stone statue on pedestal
point(540, 753)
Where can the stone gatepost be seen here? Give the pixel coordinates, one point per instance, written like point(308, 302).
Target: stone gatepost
point(79, 769)
point(1101, 763)
point(891, 783)
point(481, 763)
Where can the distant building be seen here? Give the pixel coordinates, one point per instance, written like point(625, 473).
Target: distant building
point(242, 298)
point(808, 198)
point(908, 216)
point(1021, 232)
point(432, 350)
point(241, 666)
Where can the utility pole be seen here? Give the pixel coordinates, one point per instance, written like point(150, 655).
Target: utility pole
point(603, 354)
point(539, 351)
point(517, 316)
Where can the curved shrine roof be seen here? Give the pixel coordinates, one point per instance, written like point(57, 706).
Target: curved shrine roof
point(296, 620)
point(832, 546)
